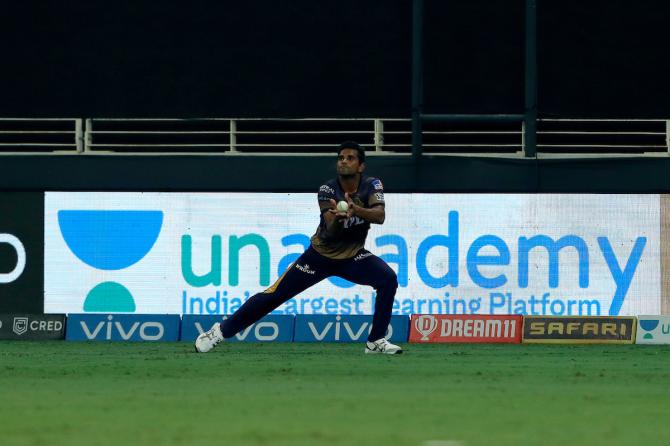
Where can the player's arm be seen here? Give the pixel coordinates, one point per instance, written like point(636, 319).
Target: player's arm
point(376, 213)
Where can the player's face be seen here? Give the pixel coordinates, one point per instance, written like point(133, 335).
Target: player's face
point(348, 163)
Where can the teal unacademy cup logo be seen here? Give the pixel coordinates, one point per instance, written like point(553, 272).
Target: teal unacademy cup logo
point(110, 241)
point(648, 325)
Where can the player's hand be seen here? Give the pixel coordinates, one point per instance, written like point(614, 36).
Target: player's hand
point(338, 214)
point(352, 209)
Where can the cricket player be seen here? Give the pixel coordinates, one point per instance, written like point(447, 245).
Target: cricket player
point(336, 249)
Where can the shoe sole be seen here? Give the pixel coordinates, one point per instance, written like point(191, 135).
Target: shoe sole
point(372, 352)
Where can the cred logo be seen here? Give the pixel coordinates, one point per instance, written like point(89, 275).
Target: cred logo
point(20, 258)
point(20, 325)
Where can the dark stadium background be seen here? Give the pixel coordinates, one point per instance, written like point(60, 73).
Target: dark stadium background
point(331, 58)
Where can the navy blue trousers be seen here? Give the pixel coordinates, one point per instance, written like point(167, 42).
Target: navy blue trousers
point(310, 268)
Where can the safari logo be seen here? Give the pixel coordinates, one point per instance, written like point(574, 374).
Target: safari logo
point(110, 240)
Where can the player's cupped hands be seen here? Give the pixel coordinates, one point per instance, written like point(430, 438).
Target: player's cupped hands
point(339, 214)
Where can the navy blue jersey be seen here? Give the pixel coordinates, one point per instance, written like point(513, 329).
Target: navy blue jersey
point(351, 239)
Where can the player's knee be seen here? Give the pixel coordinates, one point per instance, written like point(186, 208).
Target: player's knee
point(390, 281)
point(393, 279)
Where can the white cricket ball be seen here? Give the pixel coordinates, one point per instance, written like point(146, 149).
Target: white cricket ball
point(343, 206)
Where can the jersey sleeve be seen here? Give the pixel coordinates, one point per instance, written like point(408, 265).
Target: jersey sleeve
point(326, 193)
point(376, 197)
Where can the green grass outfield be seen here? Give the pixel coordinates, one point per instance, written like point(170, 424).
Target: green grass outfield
point(63, 393)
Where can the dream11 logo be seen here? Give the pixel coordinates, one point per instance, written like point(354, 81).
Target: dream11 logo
point(110, 240)
point(20, 250)
point(425, 325)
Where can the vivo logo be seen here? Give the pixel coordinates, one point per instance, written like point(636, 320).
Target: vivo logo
point(338, 328)
point(271, 328)
point(20, 250)
point(262, 331)
point(345, 328)
point(109, 330)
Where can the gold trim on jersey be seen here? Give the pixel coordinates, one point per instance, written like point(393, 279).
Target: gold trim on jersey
point(274, 286)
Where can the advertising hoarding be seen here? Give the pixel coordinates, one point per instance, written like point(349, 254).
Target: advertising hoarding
point(206, 253)
point(32, 326)
point(123, 327)
point(465, 328)
point(351, 328)
point(579, 330)
point(653, 330)
point(21, 252)
point(271, 328)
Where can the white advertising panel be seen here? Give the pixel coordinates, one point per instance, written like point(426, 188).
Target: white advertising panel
point(653, 330)
point(206, 253)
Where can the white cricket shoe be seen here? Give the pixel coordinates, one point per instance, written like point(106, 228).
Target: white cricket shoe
point(209, 339)
point(382, 346)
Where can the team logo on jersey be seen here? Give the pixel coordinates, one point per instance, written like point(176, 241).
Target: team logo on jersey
point(378, 184)
point(353, 221)
point(305, 269)
point(327, 189)
point(379, 196)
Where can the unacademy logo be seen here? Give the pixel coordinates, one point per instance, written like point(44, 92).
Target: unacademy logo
point(648, 325)
point(110, 241)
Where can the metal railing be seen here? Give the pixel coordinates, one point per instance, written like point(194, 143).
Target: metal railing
point(595, 137)
point(555, 137)
point(56, 135)
point(291, 136)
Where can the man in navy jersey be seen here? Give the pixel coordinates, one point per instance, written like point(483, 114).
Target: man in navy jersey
point(336, 249)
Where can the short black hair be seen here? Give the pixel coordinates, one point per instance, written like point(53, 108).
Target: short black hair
point(355, 146)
